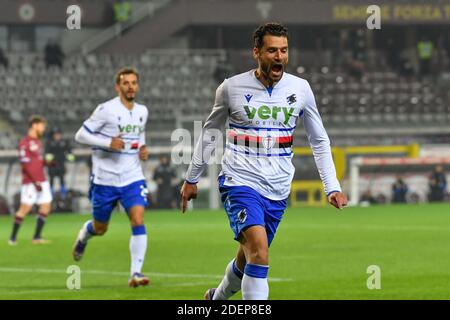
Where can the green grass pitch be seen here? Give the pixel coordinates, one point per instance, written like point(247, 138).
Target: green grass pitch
point(318, 253)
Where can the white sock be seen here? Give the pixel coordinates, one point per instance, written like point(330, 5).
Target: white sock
point(254, 282)
point(231, 282)
point(138, 248)
point(86, 232)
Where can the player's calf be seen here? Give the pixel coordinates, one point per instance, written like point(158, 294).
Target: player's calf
point(86, 232)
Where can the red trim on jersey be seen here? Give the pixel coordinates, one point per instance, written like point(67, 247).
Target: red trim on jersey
point(257, 139)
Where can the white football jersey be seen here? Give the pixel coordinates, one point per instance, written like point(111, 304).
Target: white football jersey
point(113, 119)
point(262, 121)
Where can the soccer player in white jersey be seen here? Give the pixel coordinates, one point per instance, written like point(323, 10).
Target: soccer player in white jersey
point(116, 132)
point(263, 107)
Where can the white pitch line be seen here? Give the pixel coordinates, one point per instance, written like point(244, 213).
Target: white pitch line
point(64, 290)
point(375, 227)
point(36, 291)
point(125, 274)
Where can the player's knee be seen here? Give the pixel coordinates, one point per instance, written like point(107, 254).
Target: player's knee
point(259, 256)
point(20, 214)
point(23, 211)
point(100, 230)
point(136, 216)
point(137, 221)
point(44, 212)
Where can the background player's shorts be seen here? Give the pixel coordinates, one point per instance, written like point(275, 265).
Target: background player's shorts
point(245, 207)
point(30, 196)
point(105, 198)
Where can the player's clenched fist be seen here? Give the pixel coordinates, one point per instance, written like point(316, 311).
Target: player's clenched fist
point(338, 200)
point(38, 186)
point(117, 144)
point(188, 192)
point(143, 153)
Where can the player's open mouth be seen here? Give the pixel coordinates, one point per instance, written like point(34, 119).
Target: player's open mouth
point(277, 69)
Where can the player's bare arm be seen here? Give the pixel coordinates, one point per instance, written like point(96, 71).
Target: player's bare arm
point(188, 192)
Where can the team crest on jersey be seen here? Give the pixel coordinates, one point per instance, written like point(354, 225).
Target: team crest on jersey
point(268, 142)
point(291, 99)
point(242, 215)
point(248, 97)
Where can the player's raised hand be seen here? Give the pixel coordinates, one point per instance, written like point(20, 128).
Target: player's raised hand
point(143, 153)
point(338, 200)
point(188, 192)
point(117, 143)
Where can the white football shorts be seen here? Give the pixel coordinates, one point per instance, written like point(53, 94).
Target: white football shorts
point(30, 196)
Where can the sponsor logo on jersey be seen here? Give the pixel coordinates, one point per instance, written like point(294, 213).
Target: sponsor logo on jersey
point(130, 128)
point(265, 112)
point(248, 97)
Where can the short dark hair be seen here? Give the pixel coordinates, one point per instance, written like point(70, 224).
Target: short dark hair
point(125, 70)
point(36, 119)
point(270, 28)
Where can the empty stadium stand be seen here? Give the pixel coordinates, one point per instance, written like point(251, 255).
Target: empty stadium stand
point(180, 83)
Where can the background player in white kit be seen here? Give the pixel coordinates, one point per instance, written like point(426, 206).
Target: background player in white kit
point(116, 131)
point(262, 107)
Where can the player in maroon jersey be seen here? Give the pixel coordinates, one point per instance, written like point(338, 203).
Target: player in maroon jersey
point(35, 187)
